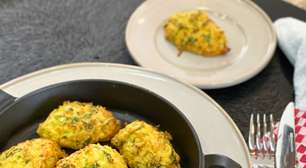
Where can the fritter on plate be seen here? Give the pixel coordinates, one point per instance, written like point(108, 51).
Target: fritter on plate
point(144, 146)
point(35, 153)
point(195, 32)
point(75, 125)
point(93, 156)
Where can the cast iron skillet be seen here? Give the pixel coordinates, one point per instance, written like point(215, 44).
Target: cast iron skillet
point(19, 117)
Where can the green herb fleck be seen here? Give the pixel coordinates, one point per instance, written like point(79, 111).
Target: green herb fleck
point(95, 165)
point(207, 38)
point(108, 157)
point(87, 125)
point(68, 165)
point(75, 120)
point(190, 40)
point(87, 141)
point(12, 151)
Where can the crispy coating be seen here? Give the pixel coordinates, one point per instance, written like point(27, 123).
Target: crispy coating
point(36, 153)
point(144, 146)
point(93, 156)
point(75, 125)
point(195, 32)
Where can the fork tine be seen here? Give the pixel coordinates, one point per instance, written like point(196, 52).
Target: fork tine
point(272, 125)
point(252, 146)
point(258, 134)
point(265, 136)
point(261, 139)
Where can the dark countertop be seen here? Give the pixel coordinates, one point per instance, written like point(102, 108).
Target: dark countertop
point(36, 34)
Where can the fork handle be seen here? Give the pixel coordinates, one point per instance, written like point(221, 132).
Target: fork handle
point(219, 161)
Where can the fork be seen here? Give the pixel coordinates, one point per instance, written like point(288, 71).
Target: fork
point(262, 141)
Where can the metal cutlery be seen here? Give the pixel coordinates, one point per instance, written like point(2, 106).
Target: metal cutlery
point(262, 141)
point(285, 147)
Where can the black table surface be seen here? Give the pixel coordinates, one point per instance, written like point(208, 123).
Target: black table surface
point(36, 34)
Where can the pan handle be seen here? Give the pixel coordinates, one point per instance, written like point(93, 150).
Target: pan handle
point(5, 99)
point(219, 161)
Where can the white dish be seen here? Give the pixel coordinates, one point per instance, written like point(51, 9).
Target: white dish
point(218, 133)
point(249, 30)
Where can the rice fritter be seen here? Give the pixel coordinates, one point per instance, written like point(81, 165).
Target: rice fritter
point(195, 32)
point(93, 156)
point(75, 125)
point(35, 153)
point(144, 146)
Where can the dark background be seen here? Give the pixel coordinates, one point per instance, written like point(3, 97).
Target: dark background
point(36, 34)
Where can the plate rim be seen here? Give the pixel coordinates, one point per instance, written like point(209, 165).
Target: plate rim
point(243, 78)
point(5, 87)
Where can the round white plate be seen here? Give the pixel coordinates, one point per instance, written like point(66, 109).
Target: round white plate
point(216, 130)
point(249, 31)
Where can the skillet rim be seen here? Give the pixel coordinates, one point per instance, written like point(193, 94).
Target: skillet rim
point(200, 154)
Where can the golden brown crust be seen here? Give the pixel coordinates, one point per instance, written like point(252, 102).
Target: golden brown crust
point(93, 156)
point(35, 153)
point(144, 146)
point(195, 32)
point(75, 125)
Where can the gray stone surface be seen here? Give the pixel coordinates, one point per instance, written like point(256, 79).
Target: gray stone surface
point(40, 33)
point(35, 34)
